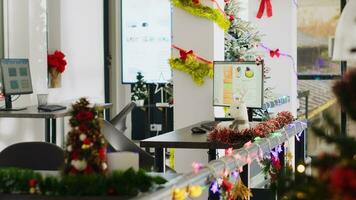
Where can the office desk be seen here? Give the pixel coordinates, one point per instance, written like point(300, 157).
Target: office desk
point(49, 117)
point(183, 138)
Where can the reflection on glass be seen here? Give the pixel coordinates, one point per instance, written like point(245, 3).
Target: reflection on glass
point(317, 20)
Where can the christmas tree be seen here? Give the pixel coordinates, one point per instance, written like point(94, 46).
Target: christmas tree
point(86, 147)
point(334, 174)
point(139, 89)
point(241, 37)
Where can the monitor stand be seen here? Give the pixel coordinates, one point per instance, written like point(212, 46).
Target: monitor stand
point(250, 114)
point(8, 105)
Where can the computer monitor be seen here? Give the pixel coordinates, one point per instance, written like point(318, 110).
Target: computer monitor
point(15, 79)
point(233, 80)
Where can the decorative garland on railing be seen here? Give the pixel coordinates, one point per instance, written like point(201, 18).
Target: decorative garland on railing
point(194, 7)
point(196, 66)
point(263, 129)
point(121, 183)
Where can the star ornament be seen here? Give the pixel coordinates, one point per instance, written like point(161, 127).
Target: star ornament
point(214, 187)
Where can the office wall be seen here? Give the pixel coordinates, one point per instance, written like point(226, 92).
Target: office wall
point(193, 103)
point(81, 27)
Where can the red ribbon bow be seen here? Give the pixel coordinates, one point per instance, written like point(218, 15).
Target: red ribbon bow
point(265, 4)
point(274, 53)
point(184, 54)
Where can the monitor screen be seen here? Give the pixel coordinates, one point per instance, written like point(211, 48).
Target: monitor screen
point(15, 76)
point(146, 40)
point(236, 80)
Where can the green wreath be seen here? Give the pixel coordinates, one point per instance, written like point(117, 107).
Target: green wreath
point(200, 10)
point(193, 67)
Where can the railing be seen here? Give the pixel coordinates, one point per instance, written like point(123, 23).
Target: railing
point(230, 162)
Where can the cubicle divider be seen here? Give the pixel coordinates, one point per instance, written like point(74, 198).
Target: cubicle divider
point(265, 145)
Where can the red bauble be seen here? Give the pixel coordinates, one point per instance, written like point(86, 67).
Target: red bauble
point(84, 116)
point(232, 18)
point(87, 141)
point(102, 153)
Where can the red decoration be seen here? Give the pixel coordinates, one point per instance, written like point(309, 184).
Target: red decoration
point(102, 153)
point(196, 1)
point(57, 61)
point(232, 18)
point(265, 5)
point(75, 155)
point(263, 129)
point(273, 53)
point(88, 170)
point(84, 116)
point(343, 181)
point(83, 128)
point(32, 183)
point(227, 185)
point(184, 54)
point(87, 141)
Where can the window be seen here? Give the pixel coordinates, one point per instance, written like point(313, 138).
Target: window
point(317, 20)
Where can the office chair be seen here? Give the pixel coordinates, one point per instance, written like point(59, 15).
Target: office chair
point(117, 141)
point(32, 155)
point(119, 121)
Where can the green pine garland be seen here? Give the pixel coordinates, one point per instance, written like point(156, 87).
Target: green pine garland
point(200, 10)
point(198, 70)
point(120, 183)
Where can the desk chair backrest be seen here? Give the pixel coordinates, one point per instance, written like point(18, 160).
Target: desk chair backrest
point(119, 142)
point(119, 121)
point(32, 155)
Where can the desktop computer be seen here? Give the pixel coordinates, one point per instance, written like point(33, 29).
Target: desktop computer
point(237, 81)
point(15, 80)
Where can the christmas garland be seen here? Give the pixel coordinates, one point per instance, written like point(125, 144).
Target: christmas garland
point(193, 65)
point(197, 9)
point(123, 183)
point(261, 130)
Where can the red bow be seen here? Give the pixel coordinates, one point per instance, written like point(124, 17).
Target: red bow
point(184, 54)
point(196, 1)
point(274, 53)
point(265, 4)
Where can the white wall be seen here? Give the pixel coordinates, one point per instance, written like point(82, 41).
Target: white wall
point(81, 40)
point(193, 103)
point(279, 31)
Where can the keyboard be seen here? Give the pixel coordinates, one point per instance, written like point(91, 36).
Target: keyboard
point(209, 125)
point(51, 108)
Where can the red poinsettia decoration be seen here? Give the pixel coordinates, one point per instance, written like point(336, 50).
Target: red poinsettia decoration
point(57, 61)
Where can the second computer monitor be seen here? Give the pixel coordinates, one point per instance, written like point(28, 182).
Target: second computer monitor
point(236, 80)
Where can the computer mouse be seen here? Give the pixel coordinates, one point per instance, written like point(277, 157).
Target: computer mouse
point(197, 130)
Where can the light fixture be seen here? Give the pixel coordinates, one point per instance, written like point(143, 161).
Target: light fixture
point(345, 37)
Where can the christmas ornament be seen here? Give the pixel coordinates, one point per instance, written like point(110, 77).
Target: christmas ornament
point(195, 191)
point(197, 9)
point(86, 149)
point(264, 5)
point(199, 68)
point(240, 191)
